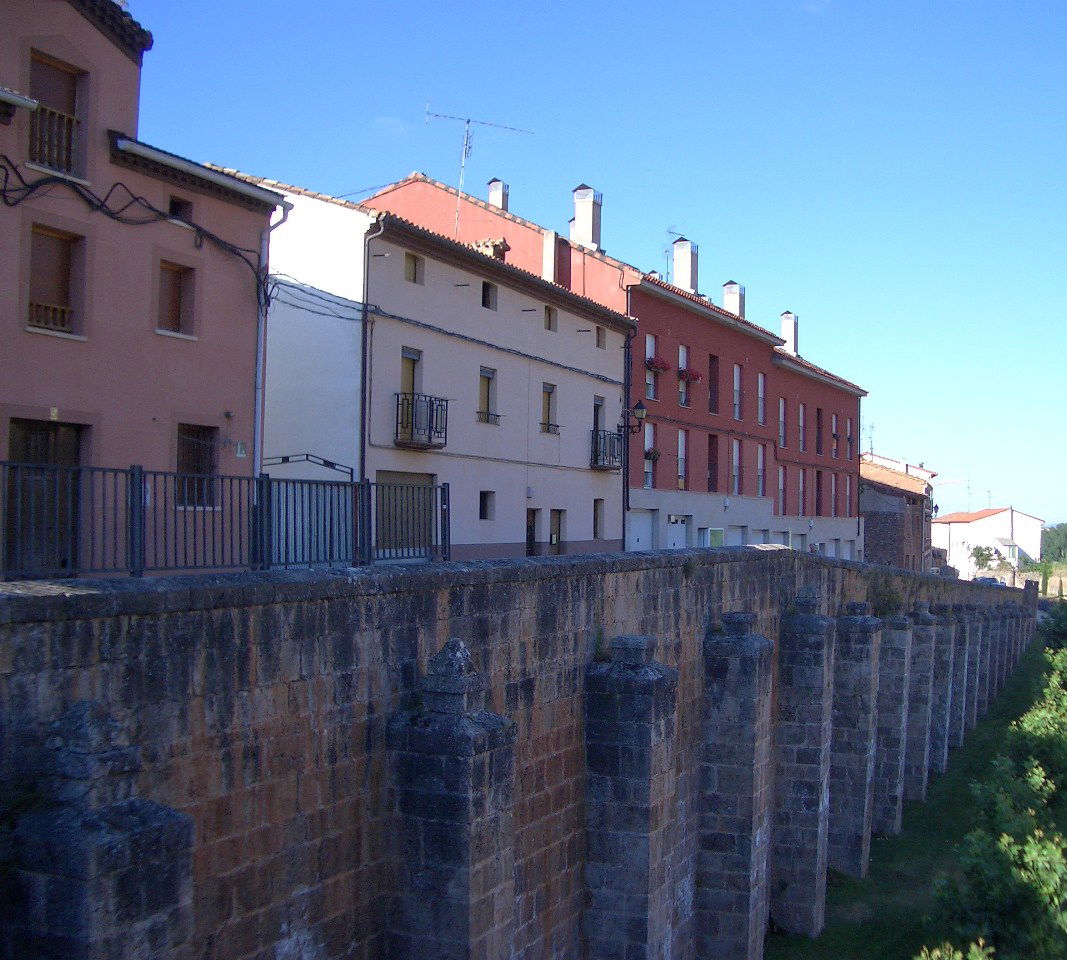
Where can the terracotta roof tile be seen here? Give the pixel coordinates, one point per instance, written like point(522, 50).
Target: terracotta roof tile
point(704, 302)
point(964, 517)
point(820, 371)
point(876, 473)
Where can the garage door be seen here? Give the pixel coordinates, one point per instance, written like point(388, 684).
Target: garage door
point(639, 529)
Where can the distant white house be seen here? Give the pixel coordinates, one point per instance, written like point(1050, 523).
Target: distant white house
point(1011, 534)
point(414, 360)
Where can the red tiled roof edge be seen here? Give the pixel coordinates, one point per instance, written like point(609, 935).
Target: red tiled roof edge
point(117, 25)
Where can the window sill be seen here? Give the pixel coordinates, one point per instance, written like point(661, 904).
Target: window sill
point(62, 174)
point(61, 334)
point(176, 335)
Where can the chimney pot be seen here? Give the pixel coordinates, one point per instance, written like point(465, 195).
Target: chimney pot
point(585, 227)
point(498, 193)
point(685, 264)
point(733, 298)
point(790, 329)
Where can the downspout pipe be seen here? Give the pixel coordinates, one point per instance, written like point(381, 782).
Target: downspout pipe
point(261, 338)
point(364, 352)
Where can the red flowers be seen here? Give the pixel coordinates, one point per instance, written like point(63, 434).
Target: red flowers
point(657, 364)
point(690, 376)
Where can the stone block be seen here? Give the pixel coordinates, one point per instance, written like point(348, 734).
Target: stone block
point(920, 702)
point(960, 668)
point(894, 685)
point(732, 895)
point(802, 737)
point(855, 724)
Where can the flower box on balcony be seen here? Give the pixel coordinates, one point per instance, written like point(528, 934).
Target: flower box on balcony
point(690, 376)
point(657, 364)
point(652, 454)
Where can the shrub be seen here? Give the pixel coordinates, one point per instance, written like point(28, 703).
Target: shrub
point(976, 951)
point(1054, 626)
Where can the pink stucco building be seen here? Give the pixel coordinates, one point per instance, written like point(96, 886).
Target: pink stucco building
point(129, 307)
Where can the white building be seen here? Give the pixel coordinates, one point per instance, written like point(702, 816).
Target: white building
point(416, 360)
point(1011, 534)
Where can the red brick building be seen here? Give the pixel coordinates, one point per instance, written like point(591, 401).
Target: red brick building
point(896, 504)
point(746, 440)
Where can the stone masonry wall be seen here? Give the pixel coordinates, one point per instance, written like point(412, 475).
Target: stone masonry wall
point(261, 706)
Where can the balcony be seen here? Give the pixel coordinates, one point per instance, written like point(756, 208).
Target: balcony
point(606, 450)
point(421, 421)
point(53, 139)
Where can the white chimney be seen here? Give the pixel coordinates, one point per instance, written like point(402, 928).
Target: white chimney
point(685, 264)
point(733, 298)
point(498, 193)
point(585, 227)
point(790, 327)
point(548, 256)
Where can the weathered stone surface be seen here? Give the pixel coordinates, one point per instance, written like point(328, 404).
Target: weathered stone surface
point(944, 694)
point(453, 782)
point(894, 690)
point(802, 736)
point(961, 666)
point(985, 670)
point(920, 702)
point(855, 722)
point(968, 613)
point(632, 838)
point(260, 706)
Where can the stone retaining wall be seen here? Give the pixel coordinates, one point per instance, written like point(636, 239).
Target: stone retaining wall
point(288, 729)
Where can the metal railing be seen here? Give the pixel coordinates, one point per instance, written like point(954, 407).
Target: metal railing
point(53, 139)
point(606, 450)
point(60, 521)
point(421, 420)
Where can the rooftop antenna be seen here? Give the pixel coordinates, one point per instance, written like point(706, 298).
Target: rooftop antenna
point(468, 143)
point(870, 433)
point(671, 232)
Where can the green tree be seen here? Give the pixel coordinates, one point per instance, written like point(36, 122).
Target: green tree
point(1054, 542)
point(982, 557)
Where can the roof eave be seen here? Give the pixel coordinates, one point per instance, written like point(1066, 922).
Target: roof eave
point(784, 360)
point(710, 311)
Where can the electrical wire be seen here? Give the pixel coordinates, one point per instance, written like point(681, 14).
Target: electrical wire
point(16, 189)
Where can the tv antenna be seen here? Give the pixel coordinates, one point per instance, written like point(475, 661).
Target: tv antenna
point(468, 142)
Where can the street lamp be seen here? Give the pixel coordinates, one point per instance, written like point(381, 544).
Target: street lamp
point(638, 413)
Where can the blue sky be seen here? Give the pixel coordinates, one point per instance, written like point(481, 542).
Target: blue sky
point(892, 172)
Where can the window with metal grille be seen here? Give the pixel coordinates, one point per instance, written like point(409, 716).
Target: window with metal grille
point(52, 257)
point(197, 464)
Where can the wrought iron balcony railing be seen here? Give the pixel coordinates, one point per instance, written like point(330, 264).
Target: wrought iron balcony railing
point(606, 450)
point(421, 421)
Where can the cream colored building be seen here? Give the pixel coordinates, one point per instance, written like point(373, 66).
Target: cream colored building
point(1010, 534)
point(471, 372)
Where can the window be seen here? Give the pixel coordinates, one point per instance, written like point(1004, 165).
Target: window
point(848, 438)
point(782, 506)
point(651, 377)
point(548, 408)
point(598, 519)
point(650, 461)
point(487, 396)
point(551, 319)
point(848, 495)
point(761, 470)
point(833, 436)
point(802, 431)
point(175, 298)
point(197, 464)
point(818, 430)
point(802, 498)
point(738, 411)
point(713, 383)
point(818, 494)
point(179, 209)
point(761, 397)
point(783, 431)
point(486, 504)
point(52, 257)
point(488, 295)
point(713, 463)
point(54, 124)
point(683, 437)
point(736, 467)
point(833, 494)
point(415, 272)
point(683, 385)
point(601, 338)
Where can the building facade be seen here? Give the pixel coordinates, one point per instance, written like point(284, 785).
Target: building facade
point(128, 297)
point(712, 383)
point(1009, 534)
point(897, 507)
point(419, 361)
